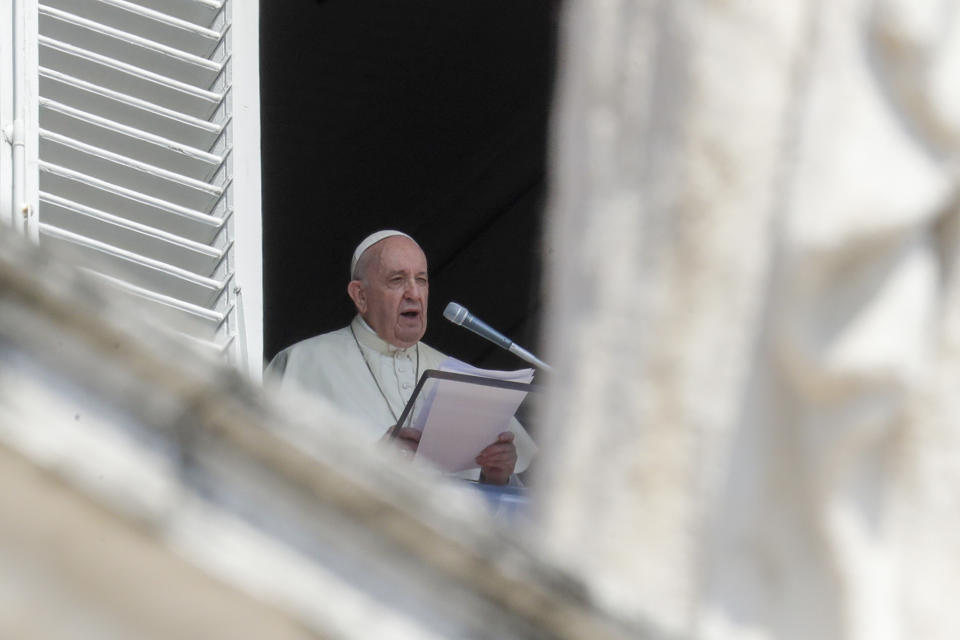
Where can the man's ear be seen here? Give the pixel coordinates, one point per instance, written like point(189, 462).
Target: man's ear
point(358, 295)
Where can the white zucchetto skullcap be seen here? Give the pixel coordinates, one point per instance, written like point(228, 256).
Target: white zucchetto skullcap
point(369, 241)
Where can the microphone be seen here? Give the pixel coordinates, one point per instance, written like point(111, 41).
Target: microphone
point(458, 314)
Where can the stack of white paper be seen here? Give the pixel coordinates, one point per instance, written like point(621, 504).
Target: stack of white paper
point(459, 366)
point(459, 419)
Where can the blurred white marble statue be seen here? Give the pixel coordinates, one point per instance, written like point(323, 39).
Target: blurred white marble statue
point(756, 316)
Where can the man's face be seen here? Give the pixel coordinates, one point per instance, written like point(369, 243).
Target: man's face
point(392, 297)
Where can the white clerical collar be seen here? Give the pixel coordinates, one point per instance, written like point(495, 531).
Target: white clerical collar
point(369, 338)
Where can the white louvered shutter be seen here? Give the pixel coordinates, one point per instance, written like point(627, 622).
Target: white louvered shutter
point(136, 154)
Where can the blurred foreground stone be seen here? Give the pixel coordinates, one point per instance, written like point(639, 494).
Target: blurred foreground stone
point(148, 491)
point(755, 308)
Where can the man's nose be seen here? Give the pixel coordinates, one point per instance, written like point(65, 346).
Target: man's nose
point(413, 289)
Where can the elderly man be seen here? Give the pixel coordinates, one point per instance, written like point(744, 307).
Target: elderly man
point(370, 367)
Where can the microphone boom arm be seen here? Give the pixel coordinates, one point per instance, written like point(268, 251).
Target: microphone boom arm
point(522, 353)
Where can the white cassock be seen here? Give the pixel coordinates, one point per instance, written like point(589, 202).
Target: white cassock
point(369, 378)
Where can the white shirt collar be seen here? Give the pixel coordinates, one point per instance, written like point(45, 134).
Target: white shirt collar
point(369, 339)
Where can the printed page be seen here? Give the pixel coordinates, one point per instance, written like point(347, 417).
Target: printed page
point(460, 419)
point(459, 366)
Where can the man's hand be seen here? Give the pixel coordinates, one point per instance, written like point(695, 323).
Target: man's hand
point(406, 439)
point(498, 460)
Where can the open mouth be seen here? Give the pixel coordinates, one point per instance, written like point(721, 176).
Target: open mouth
point(410, 315)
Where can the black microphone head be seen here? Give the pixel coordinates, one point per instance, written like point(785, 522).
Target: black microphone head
point(455, 313)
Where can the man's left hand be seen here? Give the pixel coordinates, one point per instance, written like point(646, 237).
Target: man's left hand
point(498, 460)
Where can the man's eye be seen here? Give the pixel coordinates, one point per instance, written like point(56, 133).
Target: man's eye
point(422, 281)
